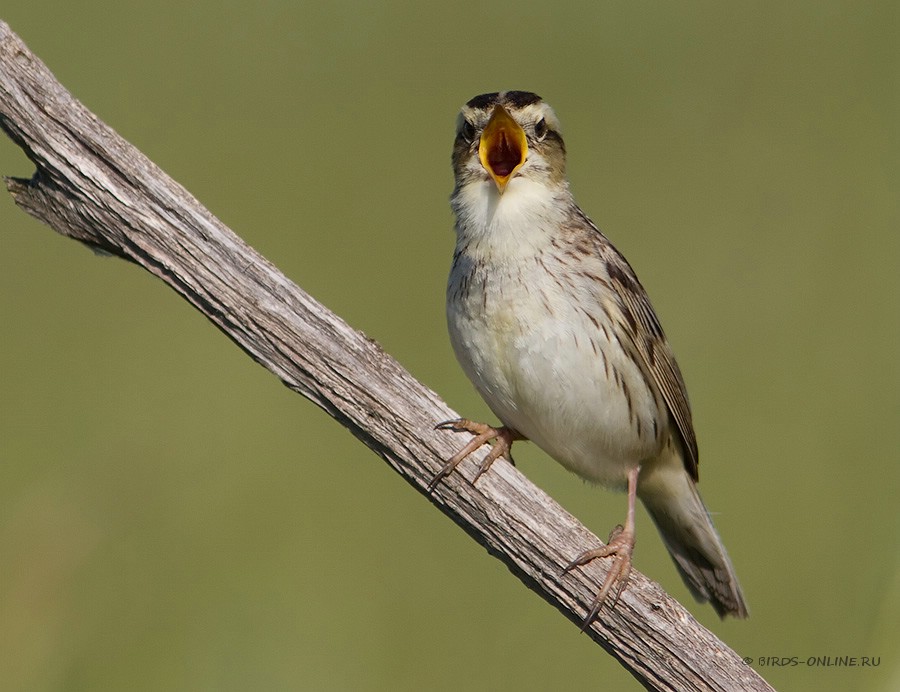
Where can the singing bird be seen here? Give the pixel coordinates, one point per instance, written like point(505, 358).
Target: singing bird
point(552, 326)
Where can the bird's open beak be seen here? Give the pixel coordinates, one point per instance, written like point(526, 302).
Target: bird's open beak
point(502, 148)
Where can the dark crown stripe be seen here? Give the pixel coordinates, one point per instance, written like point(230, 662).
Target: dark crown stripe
point(483, 101)
point(520, 99)
point(515, 99)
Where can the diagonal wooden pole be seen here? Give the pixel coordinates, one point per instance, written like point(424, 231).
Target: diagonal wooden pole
point(93, 186)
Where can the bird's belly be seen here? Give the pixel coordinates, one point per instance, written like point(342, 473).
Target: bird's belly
point(549, 372)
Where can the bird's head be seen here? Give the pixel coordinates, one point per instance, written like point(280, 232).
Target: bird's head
point(506, 135)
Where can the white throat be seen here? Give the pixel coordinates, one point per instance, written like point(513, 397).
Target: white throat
point(516, 224)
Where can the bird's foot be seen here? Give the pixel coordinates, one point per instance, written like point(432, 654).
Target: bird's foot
point(620, 547)
point(502, 437)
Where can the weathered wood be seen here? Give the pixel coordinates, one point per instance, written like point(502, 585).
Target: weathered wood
point(94, 187)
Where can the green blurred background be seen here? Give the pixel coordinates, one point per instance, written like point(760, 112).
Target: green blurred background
point(172, 518)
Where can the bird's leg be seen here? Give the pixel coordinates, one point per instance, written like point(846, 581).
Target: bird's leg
point(503, 438)
point(621, 546)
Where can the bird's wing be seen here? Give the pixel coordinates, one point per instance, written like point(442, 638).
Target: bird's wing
point(649, 340)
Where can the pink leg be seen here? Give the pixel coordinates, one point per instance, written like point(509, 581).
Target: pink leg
point(620, 546)
point(503, 436)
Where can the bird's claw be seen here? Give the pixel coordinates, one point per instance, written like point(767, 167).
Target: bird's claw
point(620, 546)
point(483, 433)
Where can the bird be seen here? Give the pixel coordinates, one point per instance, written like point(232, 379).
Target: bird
point(552, 326)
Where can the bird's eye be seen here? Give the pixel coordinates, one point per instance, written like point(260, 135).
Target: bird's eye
point(540, 129)
point(467, 131)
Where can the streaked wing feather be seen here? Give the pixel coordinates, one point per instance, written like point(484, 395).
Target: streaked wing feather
point(658, 359)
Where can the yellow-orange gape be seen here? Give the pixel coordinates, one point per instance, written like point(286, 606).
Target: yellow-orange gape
point(552, 326)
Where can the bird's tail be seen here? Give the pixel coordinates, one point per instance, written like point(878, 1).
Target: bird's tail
point(670, 496)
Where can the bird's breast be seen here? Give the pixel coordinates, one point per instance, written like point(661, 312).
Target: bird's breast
point(545, 355)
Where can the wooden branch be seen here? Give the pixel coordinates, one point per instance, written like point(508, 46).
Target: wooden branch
point(94, 187)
